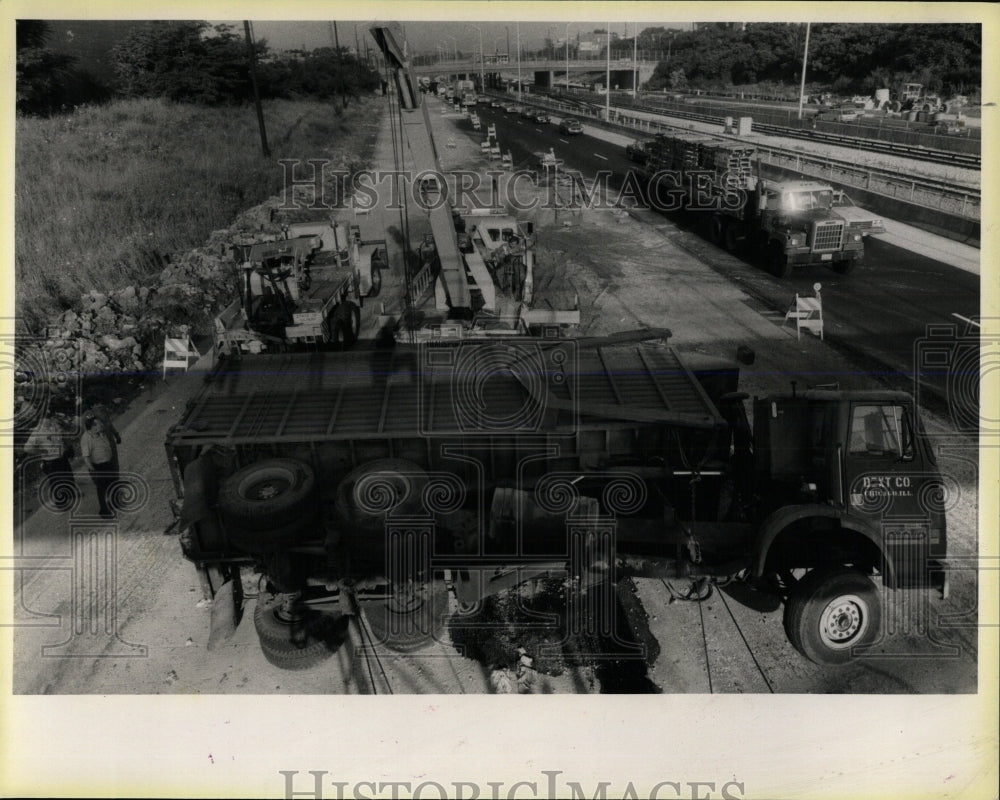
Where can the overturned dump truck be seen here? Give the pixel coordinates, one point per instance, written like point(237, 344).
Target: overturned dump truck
point(378, 484)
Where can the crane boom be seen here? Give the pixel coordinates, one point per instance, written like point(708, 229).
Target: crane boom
point(418, 143)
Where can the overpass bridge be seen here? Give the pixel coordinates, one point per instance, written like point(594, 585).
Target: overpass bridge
point(546, 72)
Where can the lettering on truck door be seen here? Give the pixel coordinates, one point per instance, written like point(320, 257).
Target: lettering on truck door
point(892, 480)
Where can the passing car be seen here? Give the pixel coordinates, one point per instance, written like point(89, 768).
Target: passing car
point(858, 218)
point(570, 125)
point(541, 117)
point(496, 104)
point(511, 108)
point(636, 151)
point(528, 113)
point(843, 114)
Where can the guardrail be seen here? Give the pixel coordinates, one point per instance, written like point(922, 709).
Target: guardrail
point(885, 129)
point(923, 147)
point(947, 197)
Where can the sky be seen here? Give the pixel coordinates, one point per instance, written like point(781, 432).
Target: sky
point(425, 36)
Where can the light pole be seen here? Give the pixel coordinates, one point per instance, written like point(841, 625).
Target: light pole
point(519, 62)
point(635, 60)
point(482, 58)
point(567, 53)
point(607, 81)
point(802, 88)
point(456, 47)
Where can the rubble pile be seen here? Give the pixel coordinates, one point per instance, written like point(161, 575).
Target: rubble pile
point(120, 334)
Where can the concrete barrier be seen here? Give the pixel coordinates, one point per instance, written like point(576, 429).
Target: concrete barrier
point(941, 223)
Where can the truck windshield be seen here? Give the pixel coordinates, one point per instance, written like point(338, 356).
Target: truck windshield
point(879, 430)
point(806, 200)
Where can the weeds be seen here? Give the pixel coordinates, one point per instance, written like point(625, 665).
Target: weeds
point(104, 194)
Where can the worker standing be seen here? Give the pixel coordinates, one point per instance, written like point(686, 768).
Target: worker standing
point(99, 450)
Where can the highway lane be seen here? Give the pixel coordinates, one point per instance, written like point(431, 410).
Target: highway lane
point(880, 312)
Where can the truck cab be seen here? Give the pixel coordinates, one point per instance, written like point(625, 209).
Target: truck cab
point(862, 458)
point(798, 225)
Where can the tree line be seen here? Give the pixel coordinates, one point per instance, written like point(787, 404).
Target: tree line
point(185, 62)
point(843, 57)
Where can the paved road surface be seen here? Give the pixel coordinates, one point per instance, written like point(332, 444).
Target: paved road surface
point(880, 311)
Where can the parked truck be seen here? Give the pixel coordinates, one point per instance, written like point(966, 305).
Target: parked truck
point(303, 290)
point(786, 223)
point(377, 483)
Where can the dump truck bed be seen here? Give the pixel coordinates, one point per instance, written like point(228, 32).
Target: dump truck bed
point(438, 390)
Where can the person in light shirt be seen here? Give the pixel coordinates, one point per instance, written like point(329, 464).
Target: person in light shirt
point(100, 454)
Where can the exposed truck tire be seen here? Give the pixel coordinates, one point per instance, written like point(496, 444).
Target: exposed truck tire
point(830, 612)
point(386, 484)
point(844, 266)
point(412, 618)
point(268, 494)
point(777, 261)
point(294, 642)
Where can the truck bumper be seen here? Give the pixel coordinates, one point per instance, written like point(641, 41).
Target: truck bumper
point(800, 257)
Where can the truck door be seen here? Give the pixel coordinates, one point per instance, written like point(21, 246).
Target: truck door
point(891, 479)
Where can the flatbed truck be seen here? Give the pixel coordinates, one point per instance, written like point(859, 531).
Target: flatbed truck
point(786, 223)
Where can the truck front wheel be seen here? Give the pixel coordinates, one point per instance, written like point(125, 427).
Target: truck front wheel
point(830, 612)
point(777, 261)
point(845, 266)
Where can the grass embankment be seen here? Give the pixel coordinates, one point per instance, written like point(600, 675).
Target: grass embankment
point(104, 194)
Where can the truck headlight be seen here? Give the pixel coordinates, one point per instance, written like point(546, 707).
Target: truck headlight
point(796, 239)
point(856, 237)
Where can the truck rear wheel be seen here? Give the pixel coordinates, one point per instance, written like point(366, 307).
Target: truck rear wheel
point(294, 639)
point(367, 494)
point(267, 494)
point(830, 612)
point(411, 618)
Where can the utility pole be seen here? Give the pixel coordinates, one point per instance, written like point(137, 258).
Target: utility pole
point(256, 93)
point(357, 44)
point(607, 81)
point(336, 39)
point(567, 54)
point(635, 61)
point(519, 62)
point(802, 88)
